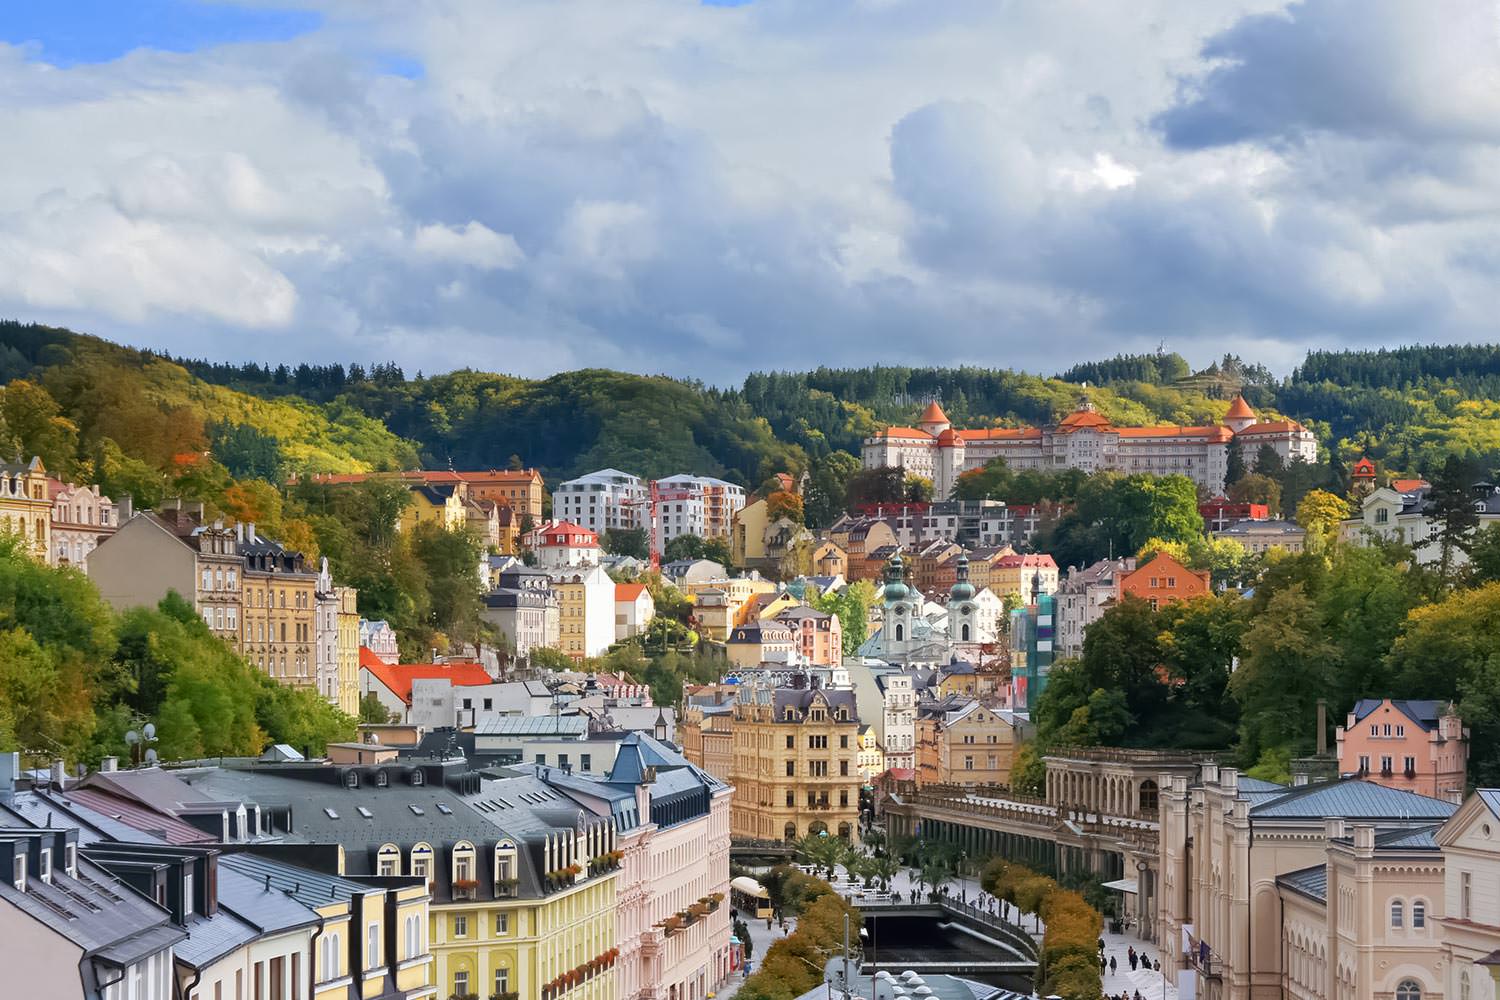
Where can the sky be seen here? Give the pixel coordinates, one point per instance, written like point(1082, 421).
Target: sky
point(710, 188)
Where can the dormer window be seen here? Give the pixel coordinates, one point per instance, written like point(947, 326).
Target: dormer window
point(18, 873)
point(388, 861)
point(418, 778)
point(46, 866)
point(421, 861)
point(70, 863)
point(351, 779)
point(187, 894)
point(381, 779)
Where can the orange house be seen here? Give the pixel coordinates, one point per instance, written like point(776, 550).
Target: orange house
point(1415, 745)
point(1163, 580)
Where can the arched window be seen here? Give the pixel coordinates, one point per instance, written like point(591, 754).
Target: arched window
point(1465, 992)
point(1148, 796)
point(1409, 990)
point(900, 632)
point(463, 863)
point(418, 778)
point(388, 861)
point(505, 867)
point(421, 861)
point(351, 780)
point(966, 634)
point(791, 831)
point(381, 778)
point(1398, 913)
point(1418, 914)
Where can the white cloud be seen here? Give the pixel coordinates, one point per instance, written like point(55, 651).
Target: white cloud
point(704, 189)
point(473, 243)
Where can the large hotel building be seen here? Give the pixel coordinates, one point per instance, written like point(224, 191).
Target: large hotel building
point(1085, 439)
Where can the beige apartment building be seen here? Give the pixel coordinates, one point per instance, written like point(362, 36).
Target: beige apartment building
point(347, 648)
point(960, 741)
point(173, 549)
point(705, 729)
point(795, 764)
point(280, 605)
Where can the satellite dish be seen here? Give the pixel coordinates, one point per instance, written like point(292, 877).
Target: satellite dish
point(150, 756)
point(132, 737)
point(150, 730)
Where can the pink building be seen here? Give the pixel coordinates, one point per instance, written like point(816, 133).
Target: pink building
point(1417, 746)
point(676, 862)
point(817, 636)
point(82, 517)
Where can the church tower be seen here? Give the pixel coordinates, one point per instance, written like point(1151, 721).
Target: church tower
point(899, 613)
point(963, 625)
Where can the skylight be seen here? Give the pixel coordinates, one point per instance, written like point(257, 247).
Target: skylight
point(365, 812)
point(444, 809)
point(416, 810)
point(330, 813)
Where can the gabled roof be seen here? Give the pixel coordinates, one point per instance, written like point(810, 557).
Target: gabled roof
point(398, 677)
point(628, 592)
point(1271, 427)
point(1310, 882)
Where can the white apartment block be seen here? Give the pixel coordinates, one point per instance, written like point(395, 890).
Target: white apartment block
point(696, 505)
point(607, 500)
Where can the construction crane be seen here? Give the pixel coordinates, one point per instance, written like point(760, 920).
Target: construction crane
point(652, 502)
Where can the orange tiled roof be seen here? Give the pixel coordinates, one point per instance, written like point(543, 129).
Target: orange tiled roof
point(1239, 410)
point(1409, 485)
point(933, 414)
point(1273, 427)
point(1083, 418)
point(1001, 433)
point(1364, 466)
point(903, 432)
point(1171, 430)
point(628, 591)
point(399, 676)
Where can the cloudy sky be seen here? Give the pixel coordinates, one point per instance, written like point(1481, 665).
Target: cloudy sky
point(709, 188)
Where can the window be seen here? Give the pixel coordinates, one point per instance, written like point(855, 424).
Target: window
point(388, 861)
point(586, 762)
point(1465, 895)
point(843, 769)
point(791, 769)
point(461, 983)
point(460, 926)
point(1409, 990)
point(502, 980)
point(502, 924)
point(1364, 762)
point(1385, 765)
point(791, 799)
point(1398, 911)
point(791, 742)
point(968, 762)
point(1374, 730)
point(332, 968)
point(70, 860)
point(1400, 730)
point(372, 946)
point(1409, 764)
point(1418, 915)
point(46, 866)
point(18, 873)
point(843, 742)
point(413, 936)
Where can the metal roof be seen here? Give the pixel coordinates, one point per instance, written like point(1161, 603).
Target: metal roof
point(533, 725)
point(1310, 882)
point(1351, 798)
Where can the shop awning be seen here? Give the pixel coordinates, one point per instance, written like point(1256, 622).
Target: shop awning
point(750, 887)
point(1125, 885)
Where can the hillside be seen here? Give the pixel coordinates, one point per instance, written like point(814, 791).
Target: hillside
point(1408, 408)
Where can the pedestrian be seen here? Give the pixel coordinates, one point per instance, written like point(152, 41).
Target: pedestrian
point(1111, 965)
point(1133, 960)
point(1157, 966)
point(1101, 946)
point(1102, 965)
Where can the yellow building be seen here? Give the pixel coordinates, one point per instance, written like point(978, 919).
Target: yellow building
point(728, 598)
point(26, 506)
point(348, 649)
point(963, 742)
point(748, 540)
point(871, 757)
point(441, 504)
point(280, 605)
point(796, 764)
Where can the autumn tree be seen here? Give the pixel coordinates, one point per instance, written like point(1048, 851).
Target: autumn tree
point(1319, 514)
point(1286, 667)
point(1257, 488)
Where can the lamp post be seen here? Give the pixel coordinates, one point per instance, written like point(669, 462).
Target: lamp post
point(1141, 868)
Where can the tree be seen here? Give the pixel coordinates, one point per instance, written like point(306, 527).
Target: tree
point(1234, 469)
point(918, 489)
point(550, 659)
point(852, 606)
point(826, 492)
point(784, 504)
point(1453, 510)
point(35, 424)
point(1484, 555)
point(373, 711)
point(886, 485)
point(1268, 461)
point(1285, 669)
point(696, 547)
point(1256, 487)
point(1319, 514)
point(633, 542)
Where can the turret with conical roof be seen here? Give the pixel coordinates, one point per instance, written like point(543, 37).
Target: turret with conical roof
point(933, 420)
point(1240, 415)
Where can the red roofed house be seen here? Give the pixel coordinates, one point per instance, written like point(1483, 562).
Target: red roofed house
point(1162, 580)
point(428, 686)
point(634, 609)
point(1220, 512)
point(1084, 439)
point(563, 545)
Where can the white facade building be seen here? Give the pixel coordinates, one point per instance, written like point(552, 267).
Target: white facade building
point(1085, 439)
point(1081, 600)
point(607, 500)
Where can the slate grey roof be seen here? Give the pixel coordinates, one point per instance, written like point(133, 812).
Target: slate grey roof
point(270, 910)
point(1424, 712)
point(799, 700)
point(310, 888)
point(1351, 798)
point(1258, 785)
point(1491, 799)
point(1424, 839)
point(1310, 882)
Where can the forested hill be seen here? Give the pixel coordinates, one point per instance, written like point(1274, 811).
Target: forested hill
point(1407, 407)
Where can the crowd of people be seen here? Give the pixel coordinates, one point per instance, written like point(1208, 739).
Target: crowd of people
point(1109, 964)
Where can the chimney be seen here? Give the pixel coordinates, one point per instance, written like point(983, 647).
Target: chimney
point(109, 764)
point(1322, 727)
point(250, 532)
point(124, 508)
point(1364, 839)
point(10, 770)
point(59, 774)
point(1333, 827)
